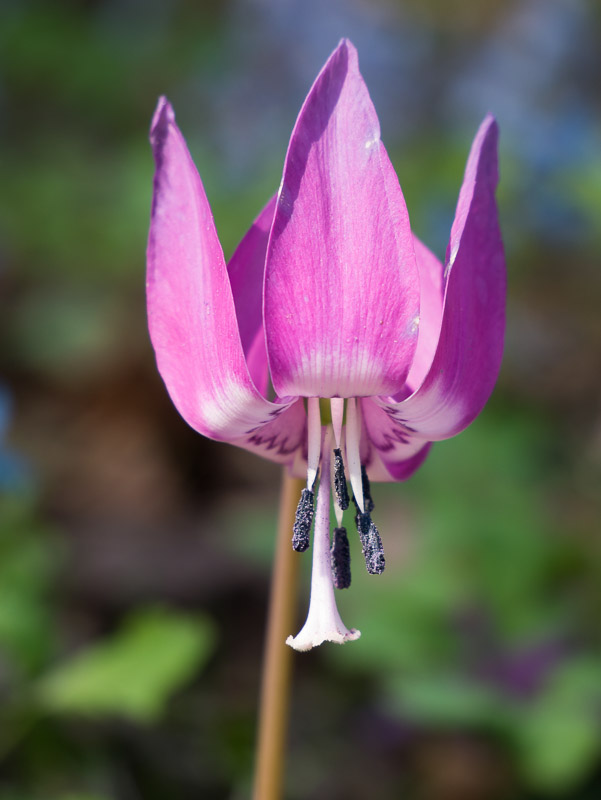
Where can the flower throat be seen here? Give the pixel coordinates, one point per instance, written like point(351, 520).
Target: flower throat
point(328, 425)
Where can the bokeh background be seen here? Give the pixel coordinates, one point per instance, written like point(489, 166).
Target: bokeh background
point(135, 555)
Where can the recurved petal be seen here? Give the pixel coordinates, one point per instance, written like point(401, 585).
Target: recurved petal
point(191, 312)
point(282, 438)
point(392, 453)
point(470, 346)
point(431, 288)
point(341, 285)
point(246, 269)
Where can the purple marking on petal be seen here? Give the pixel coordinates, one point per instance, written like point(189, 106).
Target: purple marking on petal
point(280, 438)
point(341, 285)
point(396, 453)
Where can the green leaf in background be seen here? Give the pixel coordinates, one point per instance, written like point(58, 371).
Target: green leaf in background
point(559, 737)
point(29, 558)
point(134, 673)
point(444, 700)
point(468, 532)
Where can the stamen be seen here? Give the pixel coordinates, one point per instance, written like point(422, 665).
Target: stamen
point(377, 561)
point(323, 621)
point(302, 521)
point(313, 440)
point(362, 521)
point(338, 512)
point(367, 498)
point(371, 541)
point(353, 433)
point(340, 487)
point(341, 559)
point(337, 412)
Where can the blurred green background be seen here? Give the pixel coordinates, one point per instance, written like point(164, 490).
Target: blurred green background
point(135, 555)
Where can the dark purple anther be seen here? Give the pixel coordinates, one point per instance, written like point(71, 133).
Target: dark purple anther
point(303, 521)
point(371, 542)
point(340, 486)
point(368, 503)
point(341, 559)
point(376, 562)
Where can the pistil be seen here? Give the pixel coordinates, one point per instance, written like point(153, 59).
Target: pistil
point(323, 620)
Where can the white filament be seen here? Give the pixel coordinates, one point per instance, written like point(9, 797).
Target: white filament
point(337, 411)
point(353, 437)
point(313, 439)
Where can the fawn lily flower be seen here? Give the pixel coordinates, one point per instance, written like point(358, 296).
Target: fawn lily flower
point(330, 295)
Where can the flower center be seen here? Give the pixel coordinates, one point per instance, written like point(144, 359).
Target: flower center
point(348, 438)
point(328, 447)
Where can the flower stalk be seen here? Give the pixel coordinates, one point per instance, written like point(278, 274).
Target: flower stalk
point(277, 662)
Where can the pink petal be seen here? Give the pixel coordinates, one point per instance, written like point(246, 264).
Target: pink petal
point(246, 269)
point(391, 453)
point(282, 438)
point(431, 279)
point(341, 284)
point(191, 312)
point(470, 347)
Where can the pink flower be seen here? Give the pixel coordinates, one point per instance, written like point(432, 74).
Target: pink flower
point(332, 296)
